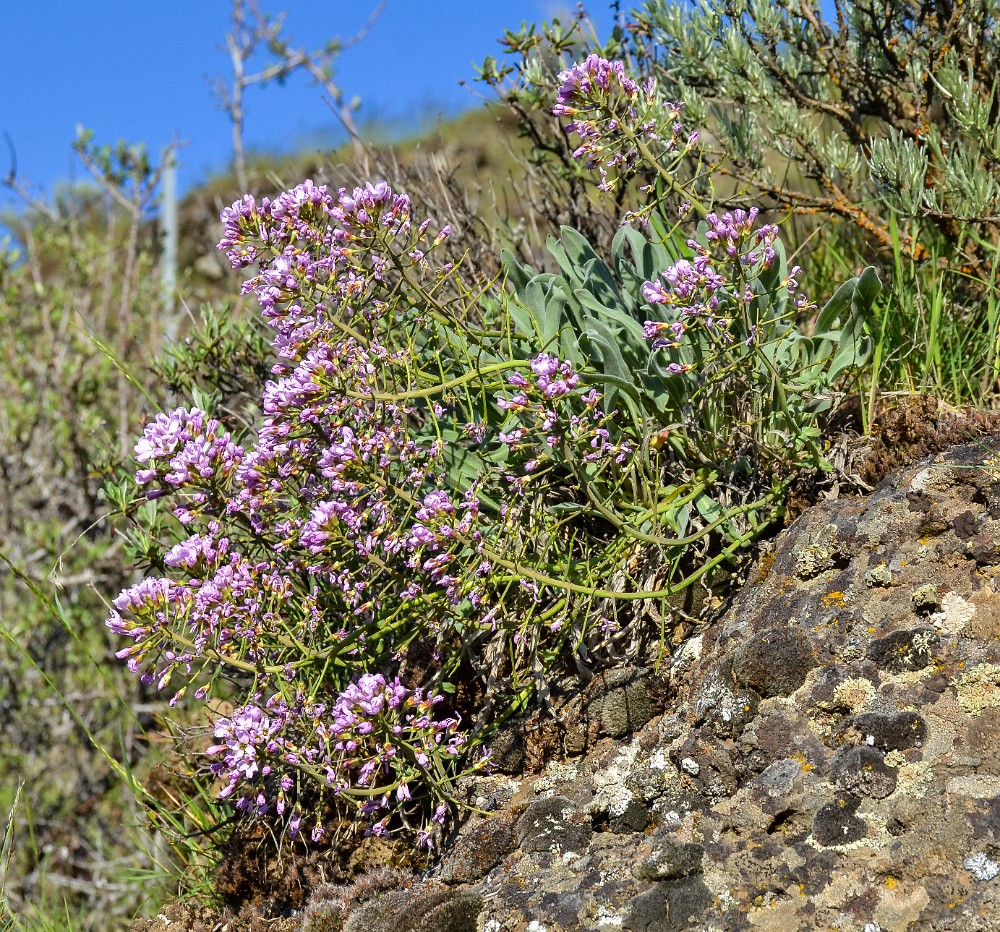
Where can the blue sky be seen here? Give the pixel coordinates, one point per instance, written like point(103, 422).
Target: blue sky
point(143, 72)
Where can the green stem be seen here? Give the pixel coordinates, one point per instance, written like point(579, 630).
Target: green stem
point(439, 386)
point(668, 177)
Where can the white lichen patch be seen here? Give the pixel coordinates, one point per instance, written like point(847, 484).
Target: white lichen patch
point(555, 774)
point(979, 689)
point(613, 799)
point(817, 556)
point(609, 918)
point(611, 795)
point(716, 696)
point(896, 758)
point(914, 779)
point(974, 785)
point(535, 926)
point(690, 765)
point(659, 760)
point(954, 615)
point(726, 899)
point(981, 867)
point(919, 482)
point(671, 819)
point(686, 656)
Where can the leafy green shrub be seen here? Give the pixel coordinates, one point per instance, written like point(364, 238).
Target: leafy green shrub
point(754, 367)
point(79, 288)
point(870, 131)
point(883, 110)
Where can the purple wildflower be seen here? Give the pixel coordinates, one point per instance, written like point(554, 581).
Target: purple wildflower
point(611, 112)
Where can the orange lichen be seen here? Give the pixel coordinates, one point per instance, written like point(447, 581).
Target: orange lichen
point(803, 762)
point(764, 566)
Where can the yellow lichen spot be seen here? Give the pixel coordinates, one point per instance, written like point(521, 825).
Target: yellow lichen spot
point(891, 883)
point(833, 598)
point(803, 762)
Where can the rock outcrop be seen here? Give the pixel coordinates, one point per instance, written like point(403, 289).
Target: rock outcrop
point(830, 757)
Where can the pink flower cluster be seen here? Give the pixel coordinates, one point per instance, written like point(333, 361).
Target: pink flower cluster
point(186, 449)
point(712, 288)
point(324, 257)
point(733, 237)
point(300, 541)
point(372, 741)
point(547, 410)
point(694, 292)
point(614, 116)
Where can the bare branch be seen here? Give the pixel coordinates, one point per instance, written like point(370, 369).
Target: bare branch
point(253, 30)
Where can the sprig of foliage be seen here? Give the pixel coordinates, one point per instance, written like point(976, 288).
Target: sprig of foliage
point(867, 126)
point(880, 108)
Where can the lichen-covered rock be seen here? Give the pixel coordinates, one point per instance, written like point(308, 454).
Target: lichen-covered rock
point(668, 907)
point(671, 860)
point(391, 901)
point(552, 824)
point(615, 703)
point(829, 758)
point(479, 849)
point(507, 748)
point(864, 772)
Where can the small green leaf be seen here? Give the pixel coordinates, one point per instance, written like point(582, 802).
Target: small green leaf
point(708, 507)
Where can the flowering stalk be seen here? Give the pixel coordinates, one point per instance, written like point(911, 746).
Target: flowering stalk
point(620, 122)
